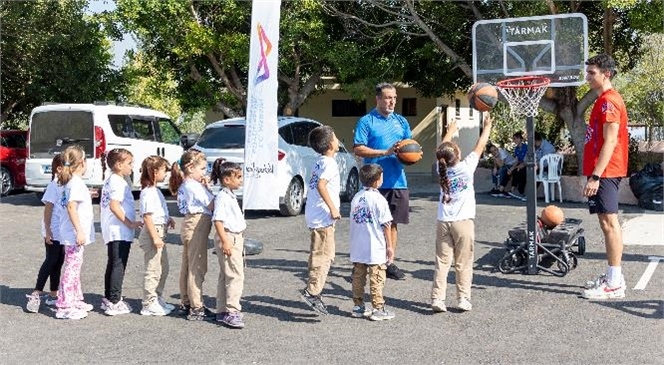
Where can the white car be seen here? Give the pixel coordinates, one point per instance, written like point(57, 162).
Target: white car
point(295, 158)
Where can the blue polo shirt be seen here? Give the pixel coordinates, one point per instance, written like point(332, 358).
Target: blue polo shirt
point(521, 151)
point(378, 132)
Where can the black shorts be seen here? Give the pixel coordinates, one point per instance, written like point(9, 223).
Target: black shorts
point(398, 199)
point(606, 199)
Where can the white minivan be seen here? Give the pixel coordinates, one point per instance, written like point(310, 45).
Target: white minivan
point(97, 128)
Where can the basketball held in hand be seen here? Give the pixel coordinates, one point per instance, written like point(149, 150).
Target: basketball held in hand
point(552, 216)
point(483, 96)
point(409, 151)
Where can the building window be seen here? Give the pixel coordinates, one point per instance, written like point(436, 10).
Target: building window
point(409, 107)
point(349, 108)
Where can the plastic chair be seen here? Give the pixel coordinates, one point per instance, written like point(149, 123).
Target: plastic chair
point(550, 169)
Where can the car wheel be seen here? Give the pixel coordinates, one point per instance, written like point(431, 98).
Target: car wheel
point(352, 185)
point(294, 198)
point(7, 181)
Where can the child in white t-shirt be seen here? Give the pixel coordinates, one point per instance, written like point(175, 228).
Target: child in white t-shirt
point(156, 222)
point(370, 246)
point(229, 224)
point(118, 225)
point(455, 232)
point(76, 231)
point(195, 201)
point(321, 212)
point(55, 255)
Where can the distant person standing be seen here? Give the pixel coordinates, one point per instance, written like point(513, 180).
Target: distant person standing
point(605, 157)
point(376, 135)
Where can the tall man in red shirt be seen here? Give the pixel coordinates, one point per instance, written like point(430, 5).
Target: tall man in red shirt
point(605, 164)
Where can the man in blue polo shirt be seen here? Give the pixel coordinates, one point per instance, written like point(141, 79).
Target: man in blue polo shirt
point(376, 135)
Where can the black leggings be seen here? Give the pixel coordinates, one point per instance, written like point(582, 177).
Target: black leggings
point(51, 267)
point(118, 254)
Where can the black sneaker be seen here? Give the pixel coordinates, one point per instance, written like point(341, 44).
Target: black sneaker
point(506, 195)
point(314, 301)
point(495, 192)
point(183, 310)
point(393, 272)
point(200, 314)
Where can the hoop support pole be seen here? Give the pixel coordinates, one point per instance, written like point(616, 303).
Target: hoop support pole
point(531, 198)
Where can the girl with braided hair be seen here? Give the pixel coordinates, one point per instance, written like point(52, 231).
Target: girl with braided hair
point(455, 231)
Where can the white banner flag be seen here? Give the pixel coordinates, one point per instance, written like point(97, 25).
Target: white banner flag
point(260, 151)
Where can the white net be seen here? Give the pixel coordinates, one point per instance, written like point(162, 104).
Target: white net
point(524, 94)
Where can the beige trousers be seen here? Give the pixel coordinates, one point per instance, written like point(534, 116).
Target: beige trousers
point(194, 234)
point(377, 275)
point(321, 257)
point(156, 264)
point(454, 241)
point(231, 274)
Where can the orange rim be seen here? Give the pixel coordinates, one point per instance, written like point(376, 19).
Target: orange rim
point(527, 82)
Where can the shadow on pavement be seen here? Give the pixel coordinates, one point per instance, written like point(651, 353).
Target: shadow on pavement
point(271, 307)
point(651, 309)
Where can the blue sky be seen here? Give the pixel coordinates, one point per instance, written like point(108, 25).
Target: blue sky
point(119, 48)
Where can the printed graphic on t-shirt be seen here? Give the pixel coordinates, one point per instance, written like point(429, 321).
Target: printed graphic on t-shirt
point(458, 184)
point(313, 182)
point(607, 107)
point(105, 199)
point(361, 214)
point(589, 134)
point(182, 202)
point(63, 198)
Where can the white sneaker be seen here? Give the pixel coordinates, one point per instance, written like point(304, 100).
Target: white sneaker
point(116, 309)
point(605, 291)
point(465, 305)
point(165, 304)
point(155, 309)
point(83, 306)
point(71, 313)
point(105, 303)
point(438, 305)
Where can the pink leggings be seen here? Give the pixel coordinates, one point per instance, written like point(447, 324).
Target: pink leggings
point(70, 283)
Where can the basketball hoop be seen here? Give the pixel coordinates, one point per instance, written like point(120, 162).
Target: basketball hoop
point(524, 93)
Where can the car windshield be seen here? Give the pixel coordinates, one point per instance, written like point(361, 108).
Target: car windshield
point(229, 136)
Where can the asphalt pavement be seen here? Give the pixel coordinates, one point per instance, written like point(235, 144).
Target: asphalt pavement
point(516, 318)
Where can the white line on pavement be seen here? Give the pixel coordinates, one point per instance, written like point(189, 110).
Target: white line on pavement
point(645, 278)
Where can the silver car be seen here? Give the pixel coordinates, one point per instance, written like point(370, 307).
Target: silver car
point(295, 158)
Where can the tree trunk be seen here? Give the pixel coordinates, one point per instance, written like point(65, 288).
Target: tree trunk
point(607, 30)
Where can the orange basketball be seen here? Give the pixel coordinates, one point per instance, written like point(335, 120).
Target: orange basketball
point(482, 96)
point(552, 216)
point(409, 151)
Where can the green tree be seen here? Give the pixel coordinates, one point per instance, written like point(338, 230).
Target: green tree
point(52, 51)
point(640, 87)
point(206, 46)
point(435, 38)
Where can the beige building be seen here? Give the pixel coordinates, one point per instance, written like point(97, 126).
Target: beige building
point(426, 116)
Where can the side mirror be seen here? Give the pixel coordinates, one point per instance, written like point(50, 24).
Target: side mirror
point(188, 140)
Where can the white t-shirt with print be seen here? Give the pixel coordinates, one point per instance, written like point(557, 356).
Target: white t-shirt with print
point(227, 210)
point(194, 198)
point(369, 211)
point(53, 195)
point(112, 229)
point(462, 191)
point(316, 212)
point(152, 201)
point(76, 191)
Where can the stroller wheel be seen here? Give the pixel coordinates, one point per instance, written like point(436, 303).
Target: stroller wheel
point(512, 260)
point(572, 261)
point(564, 268)
point(581, 245)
